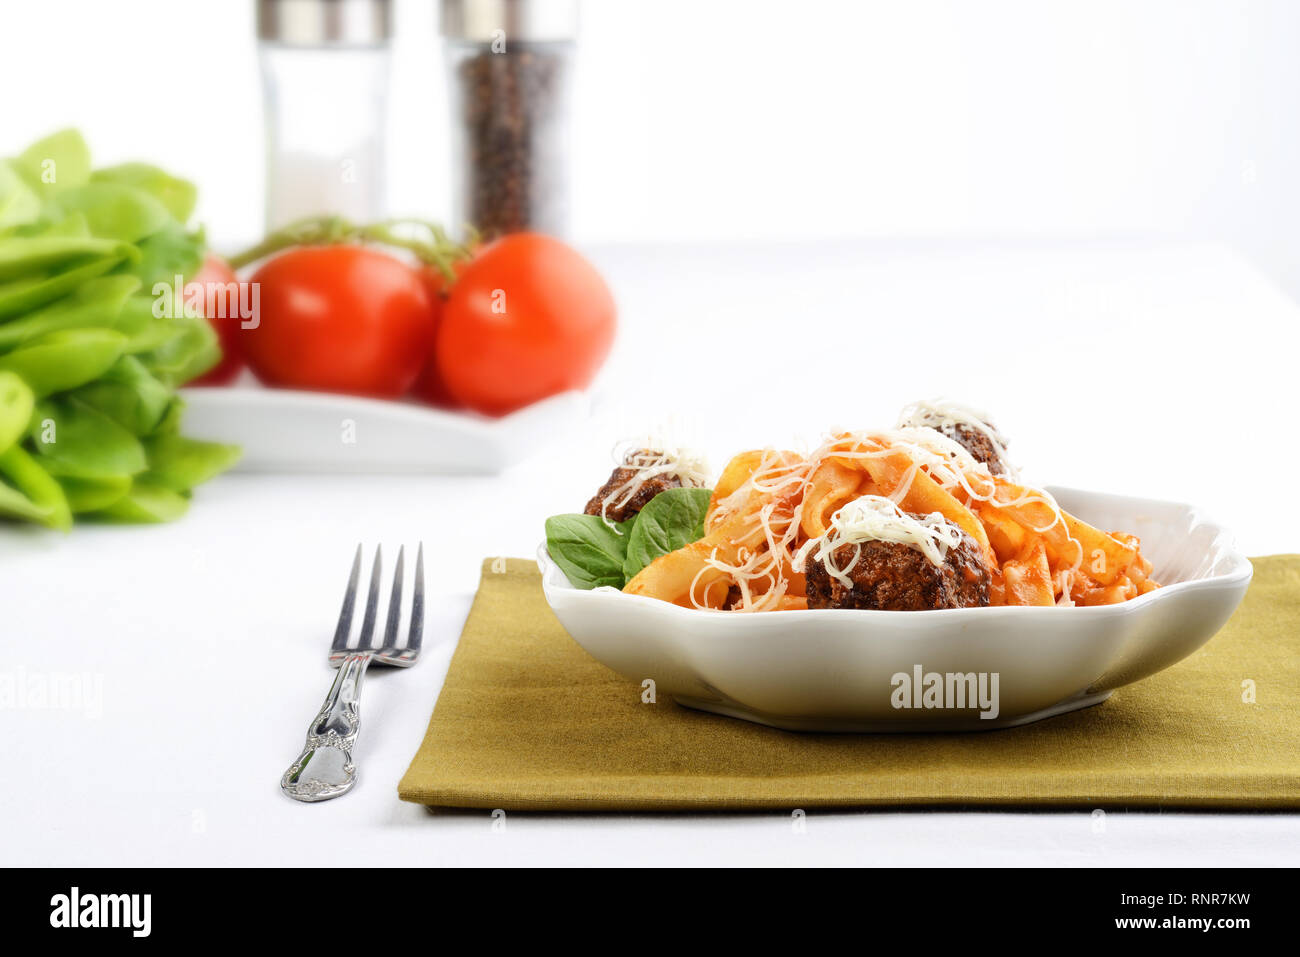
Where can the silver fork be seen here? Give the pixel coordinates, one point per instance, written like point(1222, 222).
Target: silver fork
point(325, 770)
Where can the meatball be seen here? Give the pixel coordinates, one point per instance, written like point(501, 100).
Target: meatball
point(977, 444)
point(892, 576)
point(618, 509)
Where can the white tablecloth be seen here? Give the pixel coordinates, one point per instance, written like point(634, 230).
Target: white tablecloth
point(1165, 370)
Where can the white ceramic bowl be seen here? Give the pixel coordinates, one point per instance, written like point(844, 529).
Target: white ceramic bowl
point(837, 669)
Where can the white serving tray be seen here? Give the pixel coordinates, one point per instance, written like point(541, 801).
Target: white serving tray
point(282, 430)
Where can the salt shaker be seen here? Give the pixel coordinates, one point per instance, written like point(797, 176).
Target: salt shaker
point(325, 70)
point(509, 63)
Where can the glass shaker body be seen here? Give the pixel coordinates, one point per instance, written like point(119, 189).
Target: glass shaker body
point(325, 112)
point(510, 122)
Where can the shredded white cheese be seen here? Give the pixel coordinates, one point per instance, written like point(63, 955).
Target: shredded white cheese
point(782, 484)
point(874, 518)
point(769, 545)
point(690, 467)
point(939, 414)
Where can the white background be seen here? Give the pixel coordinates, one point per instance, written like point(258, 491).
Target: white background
point(756, 119)
point(966, 160)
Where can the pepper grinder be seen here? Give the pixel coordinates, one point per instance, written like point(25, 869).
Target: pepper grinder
point(325, 66)
point(510, 62)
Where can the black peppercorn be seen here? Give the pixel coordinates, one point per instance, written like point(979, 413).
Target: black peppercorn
point(512, 111)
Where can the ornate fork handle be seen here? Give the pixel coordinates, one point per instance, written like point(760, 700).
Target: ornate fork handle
point(324, 769)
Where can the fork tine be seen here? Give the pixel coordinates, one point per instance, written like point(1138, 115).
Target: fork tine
point(344, 627)
point(394, 605)
point(372, 602)
point(417, 604)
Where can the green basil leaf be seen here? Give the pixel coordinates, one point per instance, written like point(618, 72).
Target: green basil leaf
point(674, 517)
point(588, 551)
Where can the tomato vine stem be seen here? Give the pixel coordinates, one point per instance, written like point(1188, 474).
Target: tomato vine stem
point(435, 248)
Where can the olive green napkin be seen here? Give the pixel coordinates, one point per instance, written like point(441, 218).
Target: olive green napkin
point(528, 720)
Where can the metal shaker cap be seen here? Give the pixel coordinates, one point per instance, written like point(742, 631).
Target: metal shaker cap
point(325, 23)
point(482, 21)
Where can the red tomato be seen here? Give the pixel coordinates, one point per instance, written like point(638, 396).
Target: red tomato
point(528, 317)
point(215, 272)
point(340, 319)
point(429, 386)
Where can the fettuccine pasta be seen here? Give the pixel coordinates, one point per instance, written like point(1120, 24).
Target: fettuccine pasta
point(772, 513)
